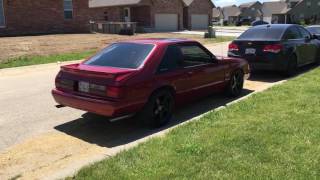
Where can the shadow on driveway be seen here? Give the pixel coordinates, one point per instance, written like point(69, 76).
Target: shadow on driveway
point(98, 130)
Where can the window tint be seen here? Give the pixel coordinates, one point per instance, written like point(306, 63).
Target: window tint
point(122, 55)
point(262, 34)
point(314, 30)
point(68, 9)
point(1, 14)
point(171, 59)
point(292, 33)
point(194, 55)
point(304, 32)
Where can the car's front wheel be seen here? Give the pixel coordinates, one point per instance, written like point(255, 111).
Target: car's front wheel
point(235, 86)
point(158, 111)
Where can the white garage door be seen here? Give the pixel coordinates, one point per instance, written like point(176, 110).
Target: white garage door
point(199, 21)
point(166, 22)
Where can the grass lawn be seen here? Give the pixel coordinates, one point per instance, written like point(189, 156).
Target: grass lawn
point(271, 135)
point(32, 60)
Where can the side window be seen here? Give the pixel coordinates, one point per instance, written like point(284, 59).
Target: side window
point(292, 33)
point(68, 9)
point(170, 60)
point(2, 23)
point(304, 33)
point(194, 55)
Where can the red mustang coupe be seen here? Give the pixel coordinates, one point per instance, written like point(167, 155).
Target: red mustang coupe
point(147, 78)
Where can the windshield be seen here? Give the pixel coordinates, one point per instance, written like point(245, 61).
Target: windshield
point(314, 30)
point(262, 34)
point(122, 55)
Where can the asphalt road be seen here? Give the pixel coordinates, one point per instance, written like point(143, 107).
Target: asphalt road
point(40, 141)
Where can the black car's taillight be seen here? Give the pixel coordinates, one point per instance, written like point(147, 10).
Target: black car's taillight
point(275, 48)
point(233, 47)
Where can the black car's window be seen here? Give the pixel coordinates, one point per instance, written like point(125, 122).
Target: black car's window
point(262, 34)
point(314, 30)
point(304, 33)
point(194, 55)
point(170, 60)
point(122, 55)
point(292, 33)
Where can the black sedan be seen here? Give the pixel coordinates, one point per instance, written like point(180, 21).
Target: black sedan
point(280, 47)
point(314, 30)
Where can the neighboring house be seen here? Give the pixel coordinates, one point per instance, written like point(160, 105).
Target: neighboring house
point(19, 17)
point(197, 14)
point(217, 15)
point(155, 15)
point(231, 14)
point(304, 10)
point(275, 12)
point(251, 11)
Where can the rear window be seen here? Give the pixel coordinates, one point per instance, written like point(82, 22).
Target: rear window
point(262, 34)
point(122, 55)
point(314, 30)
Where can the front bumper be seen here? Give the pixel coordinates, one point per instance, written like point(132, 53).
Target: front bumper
point(102, 107)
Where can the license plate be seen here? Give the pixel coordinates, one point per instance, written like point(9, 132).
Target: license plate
point(250, 51)
point(84, 86)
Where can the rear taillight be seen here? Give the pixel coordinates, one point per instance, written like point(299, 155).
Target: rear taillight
point(233, 47)
point(275, 48)
point(64, 84)
point(114, 92)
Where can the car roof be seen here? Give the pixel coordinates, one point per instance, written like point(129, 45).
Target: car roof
point(159, 41)
point(275, 26)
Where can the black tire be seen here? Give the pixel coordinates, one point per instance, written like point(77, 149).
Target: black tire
point(158, 110)
point(292, 68)
point(235, 86)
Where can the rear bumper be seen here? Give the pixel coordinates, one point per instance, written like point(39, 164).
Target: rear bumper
point(273, 63)
point(102, 107)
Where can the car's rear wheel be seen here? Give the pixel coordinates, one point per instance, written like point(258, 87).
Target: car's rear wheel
point(158, 111)
point(235, 86)
point(292, 68)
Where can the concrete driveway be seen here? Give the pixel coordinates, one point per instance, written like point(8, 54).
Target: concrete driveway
point(220, 31)
point(39, 141)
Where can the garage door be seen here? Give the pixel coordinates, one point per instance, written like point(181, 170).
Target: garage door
point(267, 19)
point(199, 21)
point(166, 22)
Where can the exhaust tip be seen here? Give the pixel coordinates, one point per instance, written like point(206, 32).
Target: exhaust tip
point(60, 106)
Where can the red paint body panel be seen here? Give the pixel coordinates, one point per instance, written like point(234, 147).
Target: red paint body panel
point(136, 85)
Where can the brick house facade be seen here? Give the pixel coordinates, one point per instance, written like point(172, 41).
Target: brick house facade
point(43, 16)
point(24, 17)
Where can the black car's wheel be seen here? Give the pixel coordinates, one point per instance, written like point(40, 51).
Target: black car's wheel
point(158, 111)
point(292, 68)
point(235, 85)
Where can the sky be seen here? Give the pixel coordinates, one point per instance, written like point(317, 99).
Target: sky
point(237, 2)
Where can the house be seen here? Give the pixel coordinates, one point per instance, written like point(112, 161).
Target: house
point(251, 11)
point(275, 12)
point(155, 15)
point(306, 11)
point(20, 17)
point(217, 15)
point(231, 14)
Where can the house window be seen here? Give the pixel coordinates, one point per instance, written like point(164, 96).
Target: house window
point(253, 9)
point(2, 23)
point(68, 9)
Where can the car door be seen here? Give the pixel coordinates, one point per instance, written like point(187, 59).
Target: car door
point(311, 45)
point(203, 70)
point(295, 43)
